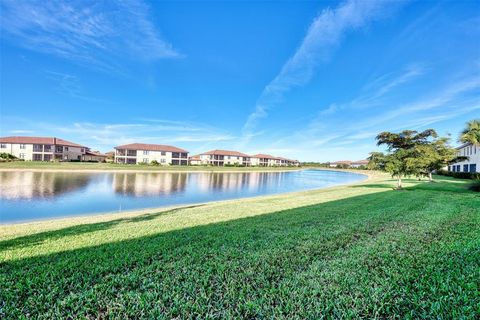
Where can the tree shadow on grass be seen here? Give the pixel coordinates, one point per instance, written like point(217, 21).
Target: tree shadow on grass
point(245, 268)
point(40, 237)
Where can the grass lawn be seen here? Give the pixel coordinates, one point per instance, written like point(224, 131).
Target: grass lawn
point(39, 165)
point(354, 251)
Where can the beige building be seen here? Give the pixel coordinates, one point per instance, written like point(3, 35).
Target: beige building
point(135, 153)
point(266, 160)
point(472, 152)
point(358, 164)
point(42, 148)
point(224, 158)
point(195, 160)
point(94, 156)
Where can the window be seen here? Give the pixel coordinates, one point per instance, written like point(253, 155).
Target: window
point(47, 148)
point(47, 157)
point(132, 153)
point(163, 160)
point(37, 157)
point(163, 153)
point(38, 148)
point(82, 150)
point(465, 168)
point(175, 162)
point(473, 167)
point(21, 155)
point(131, 161)
point(3, 146)
point(22, 146)
point(175, 155)
point(458, 168)
point(66, 148)
point(145, 160)
point(184, 155)
point(145, 152)
point(58, 149)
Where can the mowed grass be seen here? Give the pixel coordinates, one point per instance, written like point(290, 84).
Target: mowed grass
point(358, 251)
point(39, 165)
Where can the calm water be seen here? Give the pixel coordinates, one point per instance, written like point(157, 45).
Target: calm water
point(39, 195)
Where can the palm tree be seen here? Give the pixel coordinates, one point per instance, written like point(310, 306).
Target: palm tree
point(471, 134)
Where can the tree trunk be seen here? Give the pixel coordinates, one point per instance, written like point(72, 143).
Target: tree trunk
point(430, 177)
point(399, 183)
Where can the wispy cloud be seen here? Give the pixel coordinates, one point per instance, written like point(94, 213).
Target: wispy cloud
point(89, 32)
point(323, 35)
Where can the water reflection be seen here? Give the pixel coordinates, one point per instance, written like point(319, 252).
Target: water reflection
point(148, 184)
point(36, 195)
point(36, 185)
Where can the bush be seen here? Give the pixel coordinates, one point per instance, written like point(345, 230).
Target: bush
point(460, 175)
point(154, 163)
point(7, 156)
point(475, 186)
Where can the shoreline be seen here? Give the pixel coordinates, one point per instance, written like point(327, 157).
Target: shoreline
point(114, 215)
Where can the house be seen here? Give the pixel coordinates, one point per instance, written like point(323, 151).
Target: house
point(42, 148)
point(342, 163)
point(224, 157)
point(94, 156)
point(195, 160)
point(134, 153)
point(358, 164)
point(266, 160)
point(472, 164)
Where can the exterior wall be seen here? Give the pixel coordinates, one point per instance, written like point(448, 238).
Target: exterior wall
point(470, 165)
point(222, 160)
point(39, 152)
point(147, 156)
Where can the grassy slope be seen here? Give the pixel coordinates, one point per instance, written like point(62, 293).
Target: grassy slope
point(352, 251)
point(38, 165)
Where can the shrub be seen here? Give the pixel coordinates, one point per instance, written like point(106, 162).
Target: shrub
point(460, 175)
point(154, 163)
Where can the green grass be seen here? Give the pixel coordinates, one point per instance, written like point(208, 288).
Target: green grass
point(39, 165)
point(359, 251)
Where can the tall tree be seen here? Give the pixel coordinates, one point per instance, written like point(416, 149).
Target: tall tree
point(435, 156)
point(376, 161)
point(404, 151)
point(471, 133)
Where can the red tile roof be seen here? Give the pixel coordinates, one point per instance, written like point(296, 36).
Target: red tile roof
point(96, 154)
point(361, 162)
point(266, 156)
point(151, 147)
point(39, 140)
point(195, 157)
point(342, 162)
point(226, 153)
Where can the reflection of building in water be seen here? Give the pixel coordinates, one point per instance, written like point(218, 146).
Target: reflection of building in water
point(230, 181)
point(32, 185)
point(148, 184)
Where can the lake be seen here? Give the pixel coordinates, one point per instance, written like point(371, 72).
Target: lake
point(28, 195)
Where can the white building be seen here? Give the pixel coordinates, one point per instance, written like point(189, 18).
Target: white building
point(266, 160)
point(146, 153)
point(472, 164)
point(42, 148)
point(224, 158)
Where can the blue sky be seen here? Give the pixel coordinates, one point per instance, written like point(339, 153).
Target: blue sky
point(312, 80)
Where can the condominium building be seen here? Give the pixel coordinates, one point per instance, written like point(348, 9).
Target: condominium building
point(472, 164)
point(266, 160)
point(42, 148)
point(224, 157)
point(146, 153)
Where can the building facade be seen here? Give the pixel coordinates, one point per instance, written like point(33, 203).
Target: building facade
point(136, 153)
point(42, 148)
point(472, 152)
point(224, 158)
point(266, 160)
